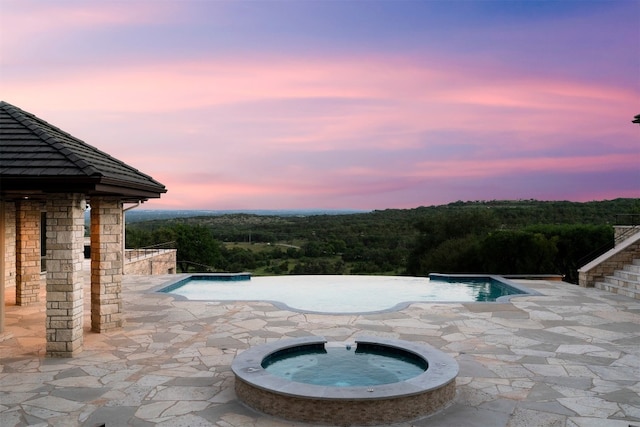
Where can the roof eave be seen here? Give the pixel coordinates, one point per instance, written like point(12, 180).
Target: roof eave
point(21, 186)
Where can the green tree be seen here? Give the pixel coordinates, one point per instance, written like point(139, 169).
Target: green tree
point(457, 255)
point(136, 237)
point(238, 259)
point(196, 247)
point(576, 245)
point(447, 238)
point(434, 230)
point(518, 252)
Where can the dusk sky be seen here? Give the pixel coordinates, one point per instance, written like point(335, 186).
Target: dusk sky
point(340, 104)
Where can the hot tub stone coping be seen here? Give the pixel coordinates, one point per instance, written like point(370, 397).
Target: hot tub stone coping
point(442, 369)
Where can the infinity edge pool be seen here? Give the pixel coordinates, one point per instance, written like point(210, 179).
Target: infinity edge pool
point(516, 290)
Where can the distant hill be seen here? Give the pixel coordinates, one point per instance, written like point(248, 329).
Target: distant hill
point(137, 215)
point(497, 236)
point(511, 211)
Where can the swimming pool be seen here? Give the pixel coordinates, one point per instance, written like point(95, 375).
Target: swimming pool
point(344, 294)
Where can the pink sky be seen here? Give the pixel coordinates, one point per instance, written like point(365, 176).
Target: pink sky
point(340, 105)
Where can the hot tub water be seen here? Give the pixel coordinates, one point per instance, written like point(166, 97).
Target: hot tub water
point(344, 366)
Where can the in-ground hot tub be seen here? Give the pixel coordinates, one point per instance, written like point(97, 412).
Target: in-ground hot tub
point(342, 403)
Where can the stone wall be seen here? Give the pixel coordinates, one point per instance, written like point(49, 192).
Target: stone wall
point(587, 277)
point(160, 261)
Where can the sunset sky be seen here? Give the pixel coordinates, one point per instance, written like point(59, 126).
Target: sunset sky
point(340, 104)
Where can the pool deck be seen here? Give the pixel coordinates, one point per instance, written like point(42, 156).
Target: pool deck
point(570, 357)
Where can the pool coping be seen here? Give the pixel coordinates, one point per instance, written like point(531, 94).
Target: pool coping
point(442, 369)
point(166, 287)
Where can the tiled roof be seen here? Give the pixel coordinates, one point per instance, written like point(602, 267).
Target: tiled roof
point(36, 156)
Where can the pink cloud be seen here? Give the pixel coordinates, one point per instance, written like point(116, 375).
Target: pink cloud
point(26, 24)
point(396, 100)
point(487, 167)
point(357, 182)
point(314, 129)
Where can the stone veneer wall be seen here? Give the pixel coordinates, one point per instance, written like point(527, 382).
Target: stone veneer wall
point(27, 252)
point(161, 262)
point(346, 412)
point(617, 261)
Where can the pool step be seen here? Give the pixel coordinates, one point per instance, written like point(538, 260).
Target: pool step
point(623, 282)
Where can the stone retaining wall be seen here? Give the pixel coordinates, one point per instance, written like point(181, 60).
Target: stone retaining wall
point(162, 261)
point(587, 277)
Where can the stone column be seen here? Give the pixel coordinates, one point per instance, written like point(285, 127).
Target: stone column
point(9, 246)
point(7, 253)
point(27, 252)
point(106, 264)
point(65, 232)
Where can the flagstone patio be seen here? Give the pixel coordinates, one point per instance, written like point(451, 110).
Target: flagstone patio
point(568, 358)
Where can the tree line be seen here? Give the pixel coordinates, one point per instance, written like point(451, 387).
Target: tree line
point(497, 237)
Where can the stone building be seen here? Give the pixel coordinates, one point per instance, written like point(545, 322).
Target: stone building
point(48, 178)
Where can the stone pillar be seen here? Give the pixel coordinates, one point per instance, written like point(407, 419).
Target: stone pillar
point(27, 252)
point(65, 254)
point(7, 253)
point(9, 244)
point(106, 264)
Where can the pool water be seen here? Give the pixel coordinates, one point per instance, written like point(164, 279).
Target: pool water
point(343, 294)
point(344, 366)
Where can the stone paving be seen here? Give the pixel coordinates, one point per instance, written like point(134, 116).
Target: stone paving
point(570, 357)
